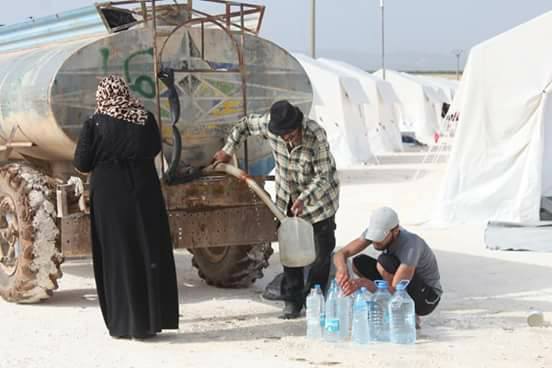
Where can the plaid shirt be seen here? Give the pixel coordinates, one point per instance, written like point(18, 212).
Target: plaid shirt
point(307, 172)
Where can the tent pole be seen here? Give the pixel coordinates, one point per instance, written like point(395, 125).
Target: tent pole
point(382, 39)
point(458, 53)
point(312, 45)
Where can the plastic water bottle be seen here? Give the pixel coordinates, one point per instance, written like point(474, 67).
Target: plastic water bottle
point(402, 316)
point(379, 313)
point(314, 330)
point(344, 311)
point(370, 308)
point(360, 331)
point(331, 324)
point(322, 301)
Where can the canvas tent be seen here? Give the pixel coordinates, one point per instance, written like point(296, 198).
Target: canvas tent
point(441, 91)
point(382, 110)
point(421, 105)
point(337, 106)
point(499, 166)
point(448, 86)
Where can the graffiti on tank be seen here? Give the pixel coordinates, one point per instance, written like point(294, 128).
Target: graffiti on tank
point(105, 59)
point(142, 84)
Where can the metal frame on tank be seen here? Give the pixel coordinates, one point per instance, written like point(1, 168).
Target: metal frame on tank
point(216, 202)
point(232, 20)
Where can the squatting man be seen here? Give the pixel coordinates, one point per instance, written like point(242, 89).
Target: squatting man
point(404, 256)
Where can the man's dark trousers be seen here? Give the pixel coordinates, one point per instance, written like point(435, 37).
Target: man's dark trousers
point(294, 288)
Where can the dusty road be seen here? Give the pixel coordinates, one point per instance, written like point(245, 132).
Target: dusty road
point(481, 321)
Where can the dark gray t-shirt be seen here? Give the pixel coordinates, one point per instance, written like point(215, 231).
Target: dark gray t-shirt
point(412, 250)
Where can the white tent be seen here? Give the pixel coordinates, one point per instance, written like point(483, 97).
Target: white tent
point(381, 113)
point(337, 106)
point(448, 86)
point(421, 105)
point(440, 91)
point(499, 165)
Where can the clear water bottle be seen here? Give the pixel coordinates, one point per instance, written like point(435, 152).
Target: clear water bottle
point(360, 331)
point(344, 311)
point(379, 313)
point(402, 316)
point(331, 324)
point(370, 308)
point(320, 296)
point(314, 330)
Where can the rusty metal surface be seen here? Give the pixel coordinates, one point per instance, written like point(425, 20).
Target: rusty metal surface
point(222, 227)
point(238, 16)
point(210, 192)
point(75, 236)
point(231, 226)
point(212, 211)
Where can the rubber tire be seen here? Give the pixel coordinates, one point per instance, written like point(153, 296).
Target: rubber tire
point(38, 263)
point(239, 268)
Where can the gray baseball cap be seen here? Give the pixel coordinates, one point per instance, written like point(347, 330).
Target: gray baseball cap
point(382, 221)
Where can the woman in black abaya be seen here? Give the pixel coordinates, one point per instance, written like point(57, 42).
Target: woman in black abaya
point(133, 260)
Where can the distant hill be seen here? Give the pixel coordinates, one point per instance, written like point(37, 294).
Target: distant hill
point(411, 61)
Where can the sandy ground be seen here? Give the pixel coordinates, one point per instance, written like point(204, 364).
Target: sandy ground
point(481, 321)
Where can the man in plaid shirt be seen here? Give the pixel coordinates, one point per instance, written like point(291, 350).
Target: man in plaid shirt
point(306, 186)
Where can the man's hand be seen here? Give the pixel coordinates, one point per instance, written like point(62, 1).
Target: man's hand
point(362, 282)
point(349, 287)
point(297, 207)
point(342, 277)
point(352, 285)
point(222, 156)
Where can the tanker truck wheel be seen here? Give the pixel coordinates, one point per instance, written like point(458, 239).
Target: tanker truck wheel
point(29, 253)
point(232, 267)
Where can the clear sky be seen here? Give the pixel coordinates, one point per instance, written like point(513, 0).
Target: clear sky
point(420, 34)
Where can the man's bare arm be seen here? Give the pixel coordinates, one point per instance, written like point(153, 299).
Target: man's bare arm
point(340, 259)
point(404, 272)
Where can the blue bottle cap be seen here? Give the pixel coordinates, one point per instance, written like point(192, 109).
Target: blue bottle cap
point(402, 284)
point(381, 284)
point(317, 286)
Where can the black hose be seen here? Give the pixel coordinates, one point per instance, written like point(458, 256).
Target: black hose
point(166, 75)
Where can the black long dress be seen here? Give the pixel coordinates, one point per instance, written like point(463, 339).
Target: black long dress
point(131, 246)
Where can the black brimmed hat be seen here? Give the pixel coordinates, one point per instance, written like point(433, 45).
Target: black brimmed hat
point(284, 118)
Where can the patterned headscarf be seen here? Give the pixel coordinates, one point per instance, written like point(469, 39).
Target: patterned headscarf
point(113, 98)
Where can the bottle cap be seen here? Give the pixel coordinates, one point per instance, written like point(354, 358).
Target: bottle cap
point(535, 319)
point(402, 285)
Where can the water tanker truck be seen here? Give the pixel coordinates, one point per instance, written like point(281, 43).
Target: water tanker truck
point(216, 69)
